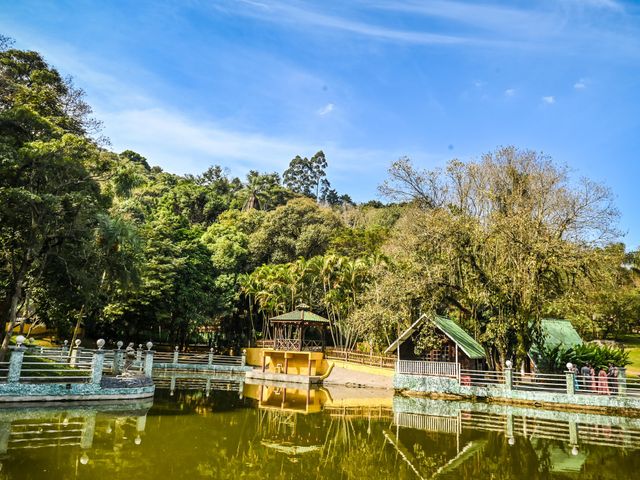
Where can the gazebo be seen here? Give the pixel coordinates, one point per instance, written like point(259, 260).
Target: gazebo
point(296, 355)
point(290, 330)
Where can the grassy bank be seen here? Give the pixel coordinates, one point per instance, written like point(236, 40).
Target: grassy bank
point(632, 345)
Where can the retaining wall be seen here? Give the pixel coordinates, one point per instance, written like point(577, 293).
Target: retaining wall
point(450, 386)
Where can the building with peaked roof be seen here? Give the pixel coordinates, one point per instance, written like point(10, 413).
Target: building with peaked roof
point(457, 346)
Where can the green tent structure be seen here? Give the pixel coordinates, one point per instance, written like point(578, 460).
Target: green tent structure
point(555, 332)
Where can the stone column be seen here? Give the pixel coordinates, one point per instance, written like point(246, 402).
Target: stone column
point(571, 382)
point(175, 355)
point(118, 362)
point(172, 387)
point(508, 379)
point(96, 367)
point(243, 358)
point(148, 364)
point(211, 356)
point(622, 381)
point(15, 364)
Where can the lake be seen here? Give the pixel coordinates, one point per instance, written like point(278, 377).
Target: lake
point(223, 429)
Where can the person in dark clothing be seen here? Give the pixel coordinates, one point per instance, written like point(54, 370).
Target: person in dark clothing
point(585, 374)
point(612, 373)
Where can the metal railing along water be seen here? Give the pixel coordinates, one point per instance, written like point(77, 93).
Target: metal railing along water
point(427, 368)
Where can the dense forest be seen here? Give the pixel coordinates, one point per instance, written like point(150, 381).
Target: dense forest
point(107, 240)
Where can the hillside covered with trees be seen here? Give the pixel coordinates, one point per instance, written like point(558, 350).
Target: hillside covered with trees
point(133, 252)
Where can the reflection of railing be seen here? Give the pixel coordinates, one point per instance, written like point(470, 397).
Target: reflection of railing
point(361, 358)
point(574, 429)
point(369, 412)
point(430, 423)
point(435, 369)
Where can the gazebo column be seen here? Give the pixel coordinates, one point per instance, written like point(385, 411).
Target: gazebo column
point(300, 337)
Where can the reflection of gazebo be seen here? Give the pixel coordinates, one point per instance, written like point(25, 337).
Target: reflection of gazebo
point(289, 330)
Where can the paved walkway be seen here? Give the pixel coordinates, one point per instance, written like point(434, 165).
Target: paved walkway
point(355, 379)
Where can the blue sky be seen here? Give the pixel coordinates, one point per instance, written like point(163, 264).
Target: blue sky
point(250, 84)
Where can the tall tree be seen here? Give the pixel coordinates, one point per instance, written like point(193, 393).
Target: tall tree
point(307, 176)
point(498, 240)
point(49, 195)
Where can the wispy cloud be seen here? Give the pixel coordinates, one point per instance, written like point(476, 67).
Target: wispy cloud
point(549, 100)
point(328, 108)
point(601, 4)
point(181, 144)
point(509, 92)
point(289, 13)
point(580, 84)
point(487, 16)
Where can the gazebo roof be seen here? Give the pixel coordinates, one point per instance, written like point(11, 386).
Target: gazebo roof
point(299, 316)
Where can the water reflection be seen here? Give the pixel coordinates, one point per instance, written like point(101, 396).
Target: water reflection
point(224, 428)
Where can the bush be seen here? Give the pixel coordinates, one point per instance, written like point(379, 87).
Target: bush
point(554, 360)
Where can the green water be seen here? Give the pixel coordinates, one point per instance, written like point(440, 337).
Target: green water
point(229, 435)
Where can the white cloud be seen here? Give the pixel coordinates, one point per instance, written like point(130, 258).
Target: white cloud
point(549, 100)
point(580, 84)
point(328, 108)
point(509, 92)
point(180, 144)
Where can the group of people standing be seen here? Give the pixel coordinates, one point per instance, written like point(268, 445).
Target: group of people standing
point(603, 381)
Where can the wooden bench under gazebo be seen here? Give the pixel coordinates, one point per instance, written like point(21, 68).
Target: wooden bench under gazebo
point(298, 348)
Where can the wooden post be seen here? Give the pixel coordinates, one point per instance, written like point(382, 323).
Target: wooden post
point(264, 361)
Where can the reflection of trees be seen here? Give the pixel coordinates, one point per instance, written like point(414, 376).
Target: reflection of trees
point(224, 437)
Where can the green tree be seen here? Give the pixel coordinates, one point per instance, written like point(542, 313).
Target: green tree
point(306, 176)
point(495, 242)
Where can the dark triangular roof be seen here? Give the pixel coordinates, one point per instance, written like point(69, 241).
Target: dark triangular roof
point(451, 329)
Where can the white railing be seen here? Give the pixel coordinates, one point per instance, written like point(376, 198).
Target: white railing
point(540, 382)
point(481, 378)
point(38, 369)
point(429, 369)
point(185, 358)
